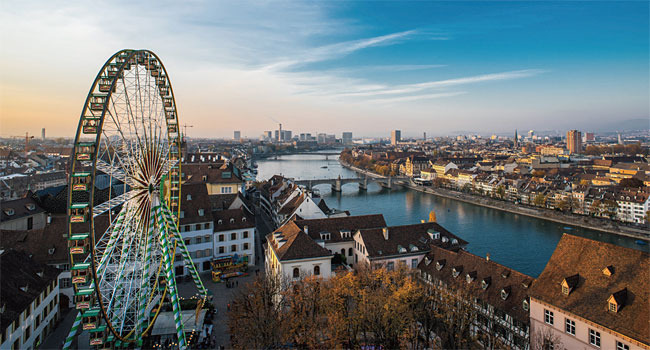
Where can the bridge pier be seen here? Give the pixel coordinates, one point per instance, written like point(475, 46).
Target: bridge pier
point(363, 186)
point(336, 186)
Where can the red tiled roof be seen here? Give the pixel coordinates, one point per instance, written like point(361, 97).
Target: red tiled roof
point(298, 244)
point(587, 258)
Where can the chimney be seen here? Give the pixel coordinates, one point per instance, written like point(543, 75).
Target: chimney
point(306, 229)
point(385, 231)
point(487, 257)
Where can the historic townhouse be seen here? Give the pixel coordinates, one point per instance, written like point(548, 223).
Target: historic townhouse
point(218, 179)
point(337, 232)
point(632, 206)
point(29, 300)
point(22, 214)
point(195, 225)
point(592, 295)
point(292, 254)
point(498, 293)
point(401, 245)
point(234, 234)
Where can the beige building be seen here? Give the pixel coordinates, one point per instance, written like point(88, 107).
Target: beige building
point(592, 295)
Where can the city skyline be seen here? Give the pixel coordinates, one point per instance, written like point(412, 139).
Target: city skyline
point(366, 68)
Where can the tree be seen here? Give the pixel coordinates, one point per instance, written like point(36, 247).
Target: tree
point(540, 200)
point(596, 208)
point(611, 208)
point(501, 191)
point(305, 320)
point(467, 188)
point(258, 316)
point(545, 339)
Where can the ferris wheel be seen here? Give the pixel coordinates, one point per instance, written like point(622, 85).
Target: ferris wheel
point(124, 204)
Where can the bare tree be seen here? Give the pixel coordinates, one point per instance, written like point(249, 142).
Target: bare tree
point(545, 339)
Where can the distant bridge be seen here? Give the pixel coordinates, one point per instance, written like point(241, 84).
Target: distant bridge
point(337, 183)
point(276, 155)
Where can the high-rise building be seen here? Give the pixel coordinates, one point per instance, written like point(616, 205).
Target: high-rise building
point(286, 135)
point(590, 137)
point(395, 137)
point(43, 133)
point(531, 134)
point(574, 141)
point(268, 135)
point(237, 136)
point(424, 137)
point(277, 135)
point(347, 138)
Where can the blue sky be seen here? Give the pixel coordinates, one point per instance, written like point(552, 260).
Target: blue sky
point(365, 67)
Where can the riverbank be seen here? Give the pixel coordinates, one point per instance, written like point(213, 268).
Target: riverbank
point(597, 224)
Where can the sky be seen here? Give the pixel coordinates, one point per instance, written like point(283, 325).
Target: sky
point(440, 67)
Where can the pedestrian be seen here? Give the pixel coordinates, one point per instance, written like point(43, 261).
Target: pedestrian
point(228, 306)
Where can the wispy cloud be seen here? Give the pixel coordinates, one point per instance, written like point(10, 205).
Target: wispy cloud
point(338, 50)
point(412, 88)
point(418, 97)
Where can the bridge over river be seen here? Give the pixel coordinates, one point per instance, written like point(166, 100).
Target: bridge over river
point(337, 183)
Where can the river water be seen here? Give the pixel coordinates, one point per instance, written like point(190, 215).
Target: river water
point(516, 241)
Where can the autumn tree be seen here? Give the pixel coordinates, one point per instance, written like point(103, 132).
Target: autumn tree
point(257, 318)
point(540, 200)
point(501, 191)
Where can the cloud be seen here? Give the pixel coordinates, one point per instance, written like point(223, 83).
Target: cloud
point(411, 88)
point(338, 50)
point(418, 97)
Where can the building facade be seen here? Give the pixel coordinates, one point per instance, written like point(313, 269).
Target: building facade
point(574, 141)
point(592, 295)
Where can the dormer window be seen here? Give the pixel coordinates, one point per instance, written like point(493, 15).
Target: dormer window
point(427, 261)
point(525, 305)
point(617, 300)
point(182, 214)
point(454, 241)
point(220, 222)
point(413, 248)
point(569, 283)
point(9, 211)
point(325, 236)
point(608, 271)
point(232, 220)
point(243, 219)
point(189, 197)
point(51, 251)
point(456, 271)
point(485, 283)
point(470, 277)
point(201, 212)
point(505, 292)
point(440, 264)
point(401, 249)
point(30, 206)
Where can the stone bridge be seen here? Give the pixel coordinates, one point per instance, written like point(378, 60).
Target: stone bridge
point(337, 183)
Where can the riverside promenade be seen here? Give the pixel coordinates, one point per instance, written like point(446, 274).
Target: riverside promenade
point(598, 224)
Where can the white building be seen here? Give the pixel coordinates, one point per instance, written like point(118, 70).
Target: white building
point(195, 225)
point(29, 297)
point(234, 234)
point(632, 207)
point(291, 253)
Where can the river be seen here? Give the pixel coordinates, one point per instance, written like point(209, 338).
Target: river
point(516, 241)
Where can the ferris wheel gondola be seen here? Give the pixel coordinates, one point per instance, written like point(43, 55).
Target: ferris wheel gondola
point(123, 203)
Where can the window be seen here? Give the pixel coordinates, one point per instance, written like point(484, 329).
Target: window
point(187, 241)
point(390, 266)
point(570, 326)
point(30, 223)
point(612, 307)
point(222, 238)
point(525, 305)
point(37, 321)
point(189, 197)
point(197, 227)
point(187, 228)
point(245, 234)
point(201, 212)
point(316, 270)
point(245, 246)
point(222, 250)
point(65, 283)
point(28, 333)
point(350, 252)
point(226, 190)
point(296, 272)
point(207, 238)
point(182, 214)
point(233, 236)
point(198, 240)
point(594, 338)
point(206, 226)
point(621, 346)
point(233, 248)
point(343, 252)
point(414, 263)
point(548, 316)
point(565, 290)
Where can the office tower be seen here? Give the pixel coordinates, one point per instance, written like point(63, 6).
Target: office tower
point(347, 138)
point(516, 139)
point(395, 137)
point(237, 136)
point(574, 141)
point(43, 133)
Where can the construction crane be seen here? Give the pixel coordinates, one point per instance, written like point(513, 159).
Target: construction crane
point(27, 138)
point(185, 126)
